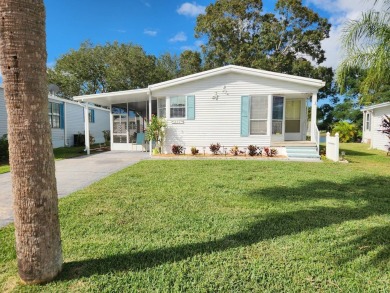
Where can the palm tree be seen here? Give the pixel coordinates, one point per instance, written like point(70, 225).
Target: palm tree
point(23, 65)
point(366, 42)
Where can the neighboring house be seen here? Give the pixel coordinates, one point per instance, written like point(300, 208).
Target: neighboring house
point(67, 119)
point(372, 120)
point(230, 105)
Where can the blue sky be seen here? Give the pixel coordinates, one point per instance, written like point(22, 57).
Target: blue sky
point(161, 26)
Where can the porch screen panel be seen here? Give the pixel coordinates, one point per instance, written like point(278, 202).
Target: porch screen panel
point(258, 115)
point(119, 123)
point(277, 115)
point(293, 116)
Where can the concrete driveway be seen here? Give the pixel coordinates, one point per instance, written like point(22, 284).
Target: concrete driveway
point(72, 175)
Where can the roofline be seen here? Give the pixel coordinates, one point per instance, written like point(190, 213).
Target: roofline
point(55, 98)
point(372, 107)
point(209, 73)
point(239, 69)
point(111, 94)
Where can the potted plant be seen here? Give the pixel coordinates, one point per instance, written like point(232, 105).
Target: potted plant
point(155, 131)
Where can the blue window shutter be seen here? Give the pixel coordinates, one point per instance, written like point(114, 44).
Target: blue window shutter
point(190, 107)
point(62, 116)
point(93, 116)
point(245, 107)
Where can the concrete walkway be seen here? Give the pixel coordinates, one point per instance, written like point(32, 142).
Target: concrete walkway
point(72, 175)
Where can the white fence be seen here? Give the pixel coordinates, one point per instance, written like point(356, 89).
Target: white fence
point(332, 147)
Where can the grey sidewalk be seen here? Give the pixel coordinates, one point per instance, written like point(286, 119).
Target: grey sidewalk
point(72, 175)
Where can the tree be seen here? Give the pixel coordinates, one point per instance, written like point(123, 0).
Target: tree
point(347, 131)
point(23, 65)
point(239, 32)
point(190, 62)
point(98, 69)
point(366, 43)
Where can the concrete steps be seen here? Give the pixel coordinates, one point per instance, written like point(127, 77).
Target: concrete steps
point(302, 152)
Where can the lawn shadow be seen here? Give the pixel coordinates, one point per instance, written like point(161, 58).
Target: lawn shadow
point(267, 227)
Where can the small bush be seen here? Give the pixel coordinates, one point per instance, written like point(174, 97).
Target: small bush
point(177, 149)
point(4, 155)
point(194, 151)
point(348, 132)
point(235, 151)
point(214, 148)
point(254, 150)
point(270, 152)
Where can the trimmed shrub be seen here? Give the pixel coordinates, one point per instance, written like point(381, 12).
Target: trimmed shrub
point(214, 148)
point(177, 149)
point(254, 150)
point(4, 155)
point(270, 152)
point(194, 151)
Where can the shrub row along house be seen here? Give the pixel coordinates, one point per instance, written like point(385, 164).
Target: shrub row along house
point(372, 121)
point(230, 105)
point(67, 120)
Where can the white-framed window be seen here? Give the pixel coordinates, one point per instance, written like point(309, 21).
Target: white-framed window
point(177, 107)
point(162, 108)
point(54, 115)
point(91, 115)
point(258, 115)
point(368, 121)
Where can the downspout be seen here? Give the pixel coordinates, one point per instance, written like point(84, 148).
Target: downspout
point(150, 117)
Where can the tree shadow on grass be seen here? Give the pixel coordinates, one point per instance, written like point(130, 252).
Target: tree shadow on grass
point(369, 202)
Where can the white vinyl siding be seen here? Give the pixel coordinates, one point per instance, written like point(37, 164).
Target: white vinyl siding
point(220, 120)
point(379, 140)
point(258, 115)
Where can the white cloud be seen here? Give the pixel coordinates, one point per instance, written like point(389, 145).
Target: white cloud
point(194, 47)
point(340, 11)
point(191, 9)
point(146, 3)
point(149, 32)
point(179, 37)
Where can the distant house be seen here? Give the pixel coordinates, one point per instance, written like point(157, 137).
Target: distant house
point(372, 119)
point(230, 105)
point(66, 119)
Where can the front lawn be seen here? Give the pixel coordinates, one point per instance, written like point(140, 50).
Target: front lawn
point(59, 154)
point(229, 226)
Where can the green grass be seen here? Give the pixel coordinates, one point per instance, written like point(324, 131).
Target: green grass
point(4, 169)
point(59, 154)
point(229, 226)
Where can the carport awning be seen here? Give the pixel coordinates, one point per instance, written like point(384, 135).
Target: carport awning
point(107, 99)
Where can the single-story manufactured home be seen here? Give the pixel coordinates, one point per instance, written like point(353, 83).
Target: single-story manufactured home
point(372, 120)
point(230, 105)
point(66, 120)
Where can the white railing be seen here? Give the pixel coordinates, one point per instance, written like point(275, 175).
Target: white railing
point(332, 147)
point(316, 133)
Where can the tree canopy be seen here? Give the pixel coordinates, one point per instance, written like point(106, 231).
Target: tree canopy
point(366, 43)
point(289, 40)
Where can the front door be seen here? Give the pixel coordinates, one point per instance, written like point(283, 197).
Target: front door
point(293, 125)
point(277, 118)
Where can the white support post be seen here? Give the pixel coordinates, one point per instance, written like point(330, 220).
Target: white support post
point(150, 119)
point(66, 144)
point(269, 116)
point(313, 117)
point(111, 128)
point(86, 123)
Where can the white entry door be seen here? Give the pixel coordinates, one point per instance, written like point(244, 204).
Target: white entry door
point(293, 125)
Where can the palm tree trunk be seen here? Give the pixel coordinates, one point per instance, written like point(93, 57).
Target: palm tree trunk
point(23, 65)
